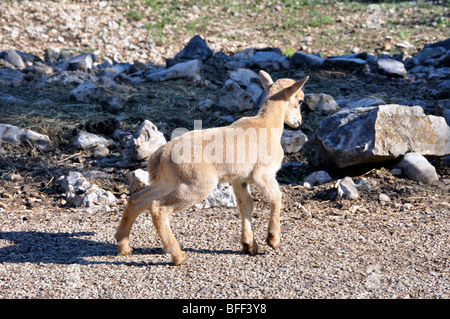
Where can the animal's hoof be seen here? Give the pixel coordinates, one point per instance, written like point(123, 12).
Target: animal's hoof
point(273, 241)
point(124, 251)
point(180, 259)
point(250, 249)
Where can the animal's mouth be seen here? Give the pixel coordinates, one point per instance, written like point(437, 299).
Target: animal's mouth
point(295, 124)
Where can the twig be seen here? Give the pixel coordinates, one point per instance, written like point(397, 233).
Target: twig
point(69, 157)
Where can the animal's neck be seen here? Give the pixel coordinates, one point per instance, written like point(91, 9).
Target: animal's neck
point(272, 113)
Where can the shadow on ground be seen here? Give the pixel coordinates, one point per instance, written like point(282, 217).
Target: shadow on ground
point(71, 248)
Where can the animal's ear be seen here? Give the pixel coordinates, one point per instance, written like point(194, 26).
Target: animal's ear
point(297, 86)
point(266, 80)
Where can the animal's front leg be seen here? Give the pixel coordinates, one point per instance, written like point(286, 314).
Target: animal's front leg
point(269, 188)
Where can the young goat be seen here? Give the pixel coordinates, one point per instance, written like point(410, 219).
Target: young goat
point(185, 170)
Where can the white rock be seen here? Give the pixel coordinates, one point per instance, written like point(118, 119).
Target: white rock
point(244, 76)
point(317, 178)
point(221, 196)
point(292, 141)
point(137, 180)
point(347, 189)
point(234, 98)
point(81, 193)
point(86, 92)
point(321, 102)
point(417, 168)
point(190, 70)
point(146, 140)
point(18, 136)
point(86, 141)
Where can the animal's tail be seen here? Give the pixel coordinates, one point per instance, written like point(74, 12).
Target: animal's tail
point(154, 165)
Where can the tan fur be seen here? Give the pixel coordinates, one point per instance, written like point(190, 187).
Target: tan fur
point(175, 185)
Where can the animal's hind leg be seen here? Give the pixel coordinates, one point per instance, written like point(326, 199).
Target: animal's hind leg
point(245, 205)
point(181, 198)
point(137, 203)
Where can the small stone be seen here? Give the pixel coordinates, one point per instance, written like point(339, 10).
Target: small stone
point(383, 198)
point(113, 104)
point(86, 141)
point(391, 68)
point(146, 141)
point(137, 180)
point(317, 178)
point(292, 141)
point(417, 168)
point(14, 177)
point(205, 105)
point(100, 150)
point(347, 189)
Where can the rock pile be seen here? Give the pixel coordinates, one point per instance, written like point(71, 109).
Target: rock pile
point(81, 193)
point(354, 132)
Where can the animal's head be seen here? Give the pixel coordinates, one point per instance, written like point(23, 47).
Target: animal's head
point(285, 91)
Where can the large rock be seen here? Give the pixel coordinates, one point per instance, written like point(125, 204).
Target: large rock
point(86, 92)
point(196, 49)
point(11, 77)
point(429, 53)
point(445, 44)
point(269, 60)
point(233, 98)
point(305, 60)
point(344, 64)
point(12, 57)
point(19, 136)
point(379, 133)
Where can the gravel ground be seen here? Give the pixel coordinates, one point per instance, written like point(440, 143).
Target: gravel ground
point(360, 250)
